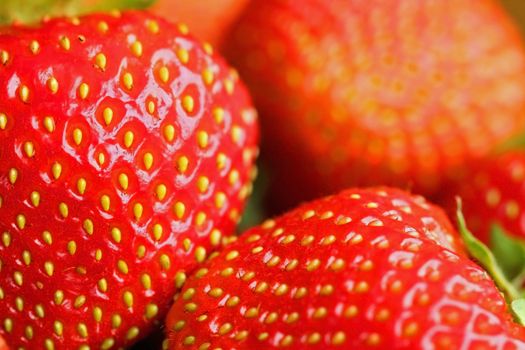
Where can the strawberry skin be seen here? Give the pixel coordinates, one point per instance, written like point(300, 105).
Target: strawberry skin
point(126, 152)
point(356, 92)
point(492, 192)
point(367, 268)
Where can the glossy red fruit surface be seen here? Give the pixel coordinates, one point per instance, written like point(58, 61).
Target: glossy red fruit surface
point(126, 152)
point(364, 269)
point(378, 92)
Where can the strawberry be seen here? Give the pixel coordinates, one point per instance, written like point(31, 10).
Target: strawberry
point(367, 268)
point(356, 92)
point(208, 20)
point(126, 152)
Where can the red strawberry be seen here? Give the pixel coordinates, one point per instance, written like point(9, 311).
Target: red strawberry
point(356, 92)
point(362, 269)
point(493, 192)
point(126, 150)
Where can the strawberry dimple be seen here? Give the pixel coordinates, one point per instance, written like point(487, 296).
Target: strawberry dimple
point(363, 269)
point(110, 184)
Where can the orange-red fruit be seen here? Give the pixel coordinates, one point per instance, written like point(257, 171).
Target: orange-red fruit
point(364, 269)
point(126, 153)
point(207, 20)
point(355, 92)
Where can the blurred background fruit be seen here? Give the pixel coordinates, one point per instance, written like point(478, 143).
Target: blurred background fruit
point(209, 20)
point(372, 92)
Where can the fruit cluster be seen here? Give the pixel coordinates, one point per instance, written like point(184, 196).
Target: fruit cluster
point(128, 150)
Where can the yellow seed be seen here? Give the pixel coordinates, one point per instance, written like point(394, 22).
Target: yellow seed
point(116, 234)
point(116, 320)
point(3, 121)
point(56, 169)
point(123, 181)
point(232, 255)
point(34, 47)
point(72, 247)
point(161, 191)
point(29, 332)
point(132, 333)
point(47, 237)
point(145, 279)
point(202, 139)
point(169, 132)
point(179, 209)
point(183, 28)
point(105, 202)
point(208, 48)
point(164, 74)
point(88, 226)
point(152, 26)
point(182, 164)
point(157, 231)
point(127, 80)
point(58, 297)
point(207, 76)
point(19, 303)
point(21, 221)
point(148, 160)
point(138, 209)
point(225, 328)
point(218, 115)
point(4, 57)
point(165, 261)
point(183, 55)
point(107, 343)
point(79, 301)
point(19, 278)
point(221, 161)
point(107, 115)
point(63, 209)
point(77, 136)
point(49, 345)
point(102, 285)
point(49, 268)
point(49, 124)
point(97, 314)
point(6, 239)
point(101, 61)
point(136, 48)
point(52, 85)
point(65, 43)
point(203, 183)
point(13, 175)
point(228, 86)
point(82, 330)
point(123, 267)
point(215, 237)
point(83, 91)
point(200, 254)
point(128, 299)
point(180, 279)
point(151, 107)
point(151, 311)
point(128, 138)
point(102, 27)
point(58, 328)
point(29, 149)
point(188, 103)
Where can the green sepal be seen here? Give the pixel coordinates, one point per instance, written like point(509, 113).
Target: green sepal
point(32, 11)
point(509, 253)
point(482, 254)
point(518, 310)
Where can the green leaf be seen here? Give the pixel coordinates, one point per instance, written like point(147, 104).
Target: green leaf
point(482, 254)
point(518, 310)
point(508, 251)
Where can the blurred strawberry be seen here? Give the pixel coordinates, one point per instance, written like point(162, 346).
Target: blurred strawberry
point(363, 269)
point(378, 92)
point(207, 19)
point(126, 153)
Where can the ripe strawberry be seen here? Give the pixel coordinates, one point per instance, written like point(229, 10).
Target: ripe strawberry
point(208, 20)
point(126, 150)
point(363, 269)
point(493, 192)
point(355, 92)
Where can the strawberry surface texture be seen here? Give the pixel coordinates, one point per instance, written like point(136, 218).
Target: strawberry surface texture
point(126, 155)
point(364, 269)
point(360, 92)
